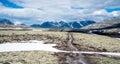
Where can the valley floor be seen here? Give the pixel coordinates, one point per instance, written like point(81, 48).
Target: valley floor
point(64, 41)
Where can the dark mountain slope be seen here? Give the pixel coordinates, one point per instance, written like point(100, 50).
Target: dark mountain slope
point(6, 22)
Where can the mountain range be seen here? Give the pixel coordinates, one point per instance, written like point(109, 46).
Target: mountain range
point(62, 24)
point(52, 24)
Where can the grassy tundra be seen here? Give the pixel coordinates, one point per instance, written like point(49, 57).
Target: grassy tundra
point(84, 42)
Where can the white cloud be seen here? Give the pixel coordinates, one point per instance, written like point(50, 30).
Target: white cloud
point(26, 13)
point(98, 4)
point(67, 3)
point(100, 12)
point(57, 10)
point(43, 4)
point(115, 13)
point(103, 14)
point(108, 14)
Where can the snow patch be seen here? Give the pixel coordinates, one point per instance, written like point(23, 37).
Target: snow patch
point(10, 28)
point(39, 45)
point(17, 23)
point(118, 38)
point(37, 30)
point(99, 53)
point(28, 46)
point(119, 32)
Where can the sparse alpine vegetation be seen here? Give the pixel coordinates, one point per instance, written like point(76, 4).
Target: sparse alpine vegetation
point(83, 42)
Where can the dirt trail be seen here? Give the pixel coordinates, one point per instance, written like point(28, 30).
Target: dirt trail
point(74, 58)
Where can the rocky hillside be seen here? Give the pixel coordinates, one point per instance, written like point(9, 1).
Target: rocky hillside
point(110, 23)
point(109, 27)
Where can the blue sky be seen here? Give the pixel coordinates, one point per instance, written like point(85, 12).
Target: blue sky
point(113, 9)
point(37, 11)
point(9, 4)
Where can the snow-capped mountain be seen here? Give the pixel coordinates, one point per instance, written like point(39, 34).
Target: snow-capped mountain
point(5, 22)
point(62, 24)
point(51, 24)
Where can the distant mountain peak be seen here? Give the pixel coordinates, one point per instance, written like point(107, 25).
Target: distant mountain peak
point(6, 22)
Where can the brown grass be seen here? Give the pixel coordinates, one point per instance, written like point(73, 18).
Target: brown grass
point(85, 42)
point(32, 57)
point(97, 41)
